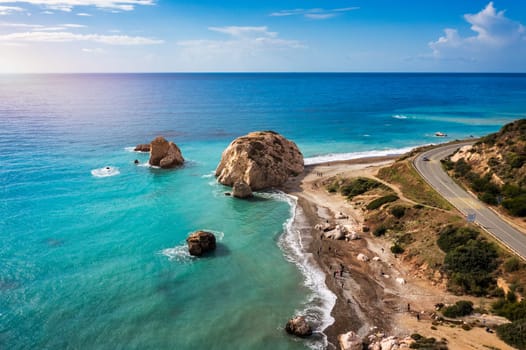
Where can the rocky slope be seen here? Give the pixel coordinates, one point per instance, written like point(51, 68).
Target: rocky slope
point(495, 168)
point(262, 160)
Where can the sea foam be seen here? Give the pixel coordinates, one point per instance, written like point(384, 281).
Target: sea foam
point(105, 171)
point(333, 157)
point(322, 300)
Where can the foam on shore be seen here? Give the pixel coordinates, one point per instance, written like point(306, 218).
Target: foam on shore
point(334, 157)
point(320, 303)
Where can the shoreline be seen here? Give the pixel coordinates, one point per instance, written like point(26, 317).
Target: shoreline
point(351, 310)
point(384, 296)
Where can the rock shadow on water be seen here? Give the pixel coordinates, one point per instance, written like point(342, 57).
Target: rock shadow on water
point(220, 251)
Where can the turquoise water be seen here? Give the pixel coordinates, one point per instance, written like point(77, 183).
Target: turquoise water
point(99, 262)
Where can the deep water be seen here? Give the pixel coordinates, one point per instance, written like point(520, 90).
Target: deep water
point(99, 262)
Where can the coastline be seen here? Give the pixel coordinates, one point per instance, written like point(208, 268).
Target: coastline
point(369, 299)
point(361, 302)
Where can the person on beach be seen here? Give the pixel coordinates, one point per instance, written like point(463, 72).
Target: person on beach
point(408, 307)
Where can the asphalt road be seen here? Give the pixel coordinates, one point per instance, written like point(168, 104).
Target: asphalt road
point(431, 170)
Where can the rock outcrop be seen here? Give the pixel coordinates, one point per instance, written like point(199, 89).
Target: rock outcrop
point(241, 190)
point(298, 326)
point(201, 242)
point(165, 154)
point(261, 160)
point(350, 341)
point(143, 147)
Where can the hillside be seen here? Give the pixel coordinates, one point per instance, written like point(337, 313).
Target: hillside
point(495, 168)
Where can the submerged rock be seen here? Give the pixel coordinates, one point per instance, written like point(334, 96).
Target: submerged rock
point(143, 147)
point(165, 154)
point(261, 160)
point(241, 190)
point(201, 242)
point(298, 326)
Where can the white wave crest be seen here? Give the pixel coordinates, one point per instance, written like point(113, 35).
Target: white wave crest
point(320, 304)
point(400, 116)
point(333, 157)
point(105, 172)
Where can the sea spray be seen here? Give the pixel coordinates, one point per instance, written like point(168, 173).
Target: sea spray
point(320, 303)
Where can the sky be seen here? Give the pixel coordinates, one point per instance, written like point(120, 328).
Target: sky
point(41, 36)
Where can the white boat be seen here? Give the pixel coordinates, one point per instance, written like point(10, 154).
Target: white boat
point(440, 134)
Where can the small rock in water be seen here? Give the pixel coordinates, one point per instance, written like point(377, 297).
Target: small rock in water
point(201, 242)
point(241, 190)
point(298, 326)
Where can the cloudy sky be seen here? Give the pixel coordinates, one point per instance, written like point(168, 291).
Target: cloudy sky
point(262, 36)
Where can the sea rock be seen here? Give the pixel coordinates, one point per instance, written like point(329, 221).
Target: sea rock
point(350, 341)
point(143, 147)
point(201, 242)
point(241, 190)
point(298, 326)
point(165, 154)
point(260, 159)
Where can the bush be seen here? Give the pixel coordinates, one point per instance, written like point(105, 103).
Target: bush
point(358, 186)
point(513, 333)
point(516, 206)
point(398, 211)
point(512, 264)
point(461, 308)
point(452, 237)
point(378, 202)
point(380, 231)
point(512, 310)
point(397, 249)
point(470, 267)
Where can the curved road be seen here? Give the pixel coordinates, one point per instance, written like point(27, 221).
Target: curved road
point(431, 170)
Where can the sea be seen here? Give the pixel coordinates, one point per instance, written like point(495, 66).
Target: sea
point(95, 258)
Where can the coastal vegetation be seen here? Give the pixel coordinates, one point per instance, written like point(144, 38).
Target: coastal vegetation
point(459, 309)
point(402, 174)
point(495, 168)
point(421, 342)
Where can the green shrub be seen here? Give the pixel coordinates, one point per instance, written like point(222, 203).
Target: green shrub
point(461, 308)
point(380, 231)
point(516, 206)
point(512, 264)
point(461, 168)
point(358, 186)
point(378, 202)
point(452, 237)
point(398, 211)
point(470, 267)
point(512, 310)
point(333, 187)
point(513, 333)
point(397, 249)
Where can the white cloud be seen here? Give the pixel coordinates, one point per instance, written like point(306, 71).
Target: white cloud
point(8, 10)
point(73, 25)
point(83, 14)
point(68, 5)
point(495, 34)
point(249, 48)
point(243, 31)
point(61, 37)
point(315, 13)
point(48, 12)
point(20, 25)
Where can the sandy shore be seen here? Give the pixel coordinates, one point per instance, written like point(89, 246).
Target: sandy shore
point(369, 298)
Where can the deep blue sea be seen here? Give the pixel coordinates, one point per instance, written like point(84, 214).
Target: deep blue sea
point(91, 262)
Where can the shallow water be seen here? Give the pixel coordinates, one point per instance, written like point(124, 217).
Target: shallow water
point(97, 262)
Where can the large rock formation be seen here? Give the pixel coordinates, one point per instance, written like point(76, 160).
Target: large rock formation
point(165, 154)
point(261, 160)
point(241, 190)
point(298, 326)
point(200, 242)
